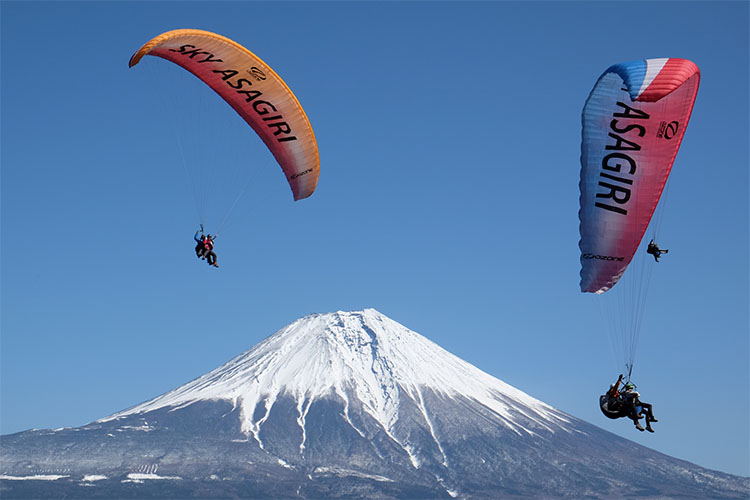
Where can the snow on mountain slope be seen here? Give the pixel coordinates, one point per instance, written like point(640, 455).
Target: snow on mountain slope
point(360, 354)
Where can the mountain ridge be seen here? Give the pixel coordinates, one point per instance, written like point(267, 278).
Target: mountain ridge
point(323, 353)
point(346, 405)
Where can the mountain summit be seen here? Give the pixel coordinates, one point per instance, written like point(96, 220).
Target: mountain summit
point(346, 404)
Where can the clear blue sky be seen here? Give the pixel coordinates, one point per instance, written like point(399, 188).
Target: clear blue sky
point(449, 137)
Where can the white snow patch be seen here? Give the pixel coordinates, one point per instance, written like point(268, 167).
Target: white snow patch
point(423, 408)
point(284, 464)
point(342, 394)
point(301, 420)
point(144, 428)
point(93, 477)
point(347, 472)
point(138, 477)
point(452, 493)
point(254, 427)
point(35, 477)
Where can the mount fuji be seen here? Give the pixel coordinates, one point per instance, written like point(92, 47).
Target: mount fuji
point(346, 405)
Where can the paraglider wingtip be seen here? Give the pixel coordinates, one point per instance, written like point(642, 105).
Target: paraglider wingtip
point(135, 58)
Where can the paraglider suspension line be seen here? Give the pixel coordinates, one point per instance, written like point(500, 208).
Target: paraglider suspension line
point(629, 366)
point(236, 200)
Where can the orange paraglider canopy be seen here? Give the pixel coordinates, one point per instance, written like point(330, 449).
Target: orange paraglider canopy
point(254, 91)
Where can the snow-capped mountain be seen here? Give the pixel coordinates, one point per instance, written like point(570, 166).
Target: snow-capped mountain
point(364, 357)
point(346, 404)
